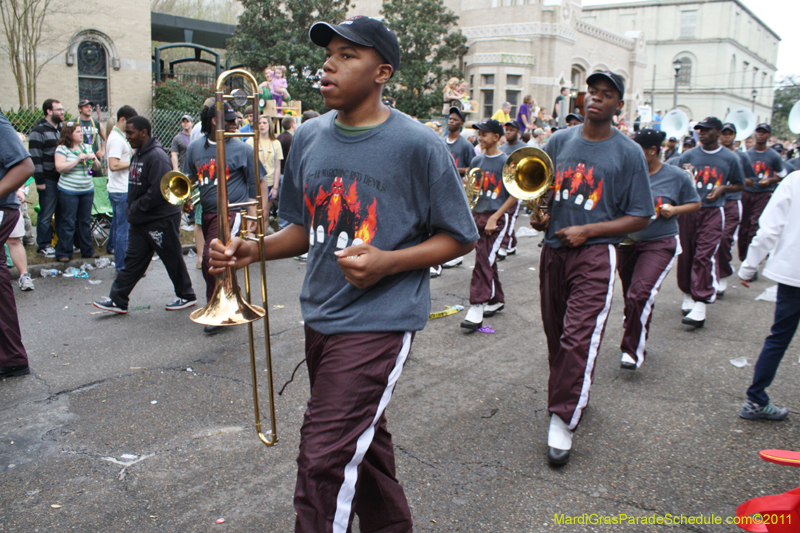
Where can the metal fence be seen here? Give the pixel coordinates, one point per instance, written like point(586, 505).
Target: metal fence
point(166, 122)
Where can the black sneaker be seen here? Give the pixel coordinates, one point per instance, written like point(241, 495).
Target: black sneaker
point(180, 303)
point(213, 330)
point(12, 371)
point(107, 304)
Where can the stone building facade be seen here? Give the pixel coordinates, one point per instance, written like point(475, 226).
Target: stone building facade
point(726, 52)
point(96, 49)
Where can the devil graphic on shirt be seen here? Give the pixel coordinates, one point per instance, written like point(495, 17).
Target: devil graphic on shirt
point(338, 214)
point(579, 186)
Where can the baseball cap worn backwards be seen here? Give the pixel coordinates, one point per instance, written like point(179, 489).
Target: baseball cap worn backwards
point(364, 31)
point(648, 138)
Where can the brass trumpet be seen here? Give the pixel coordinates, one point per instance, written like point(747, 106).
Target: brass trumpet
point(472, 186)
point(227, 307)
point(528, 175)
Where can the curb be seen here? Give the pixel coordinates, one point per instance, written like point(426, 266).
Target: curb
point(35, 270)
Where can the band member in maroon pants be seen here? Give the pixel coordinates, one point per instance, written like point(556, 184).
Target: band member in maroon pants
point(732, 211)
point(601, 194)
point(716, 172)
point(645, 258)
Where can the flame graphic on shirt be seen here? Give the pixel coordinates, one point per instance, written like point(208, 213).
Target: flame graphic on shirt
point(708, 177)
point(338, 213)
point(761, 169)
point(579, 186)
point(207, 172)
point(658, 202)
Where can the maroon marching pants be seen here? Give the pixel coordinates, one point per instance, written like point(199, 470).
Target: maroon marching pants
point(210, 232)
point(346, 459)
point(753, 204)
point(576, 286)
point(642, 267)
point(510, 240)
point(733, 216)
point(12, 352)
point(700, 234)
point(485, 285)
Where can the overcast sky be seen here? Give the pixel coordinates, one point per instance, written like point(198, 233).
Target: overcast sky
point(781, 16)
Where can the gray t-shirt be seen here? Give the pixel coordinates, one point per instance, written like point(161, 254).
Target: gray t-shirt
point(11, 152)
point(671, 186)
point(712, 169)
point(747, 169)
point(202, 162)
point(509, 149)
point(391, 187)
point(596, 181)
point(461, 150)
point(180, 143)
point(766, 164)
point(793, 164)
point(493, 190)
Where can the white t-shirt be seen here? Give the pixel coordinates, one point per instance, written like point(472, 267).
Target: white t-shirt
point(117, 146)
point(196, 134)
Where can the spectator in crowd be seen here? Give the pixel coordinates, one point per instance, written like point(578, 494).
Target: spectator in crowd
point(42, 143)
point(749, 142)
point(564, 95)
point(537, 139)
point(270, 153)
point(94, 133)
point(16, 166)
point(308, 115)
point(181, 142)
point(657, 120)
point(502, 115)
point(248, 117)
point(29, 239)
point(525, 113)
point(15, 248)
point(779, 236)
point(451, 92)
point(119, 161)
point(154, 224)
point(289, 125)
point(75, 161)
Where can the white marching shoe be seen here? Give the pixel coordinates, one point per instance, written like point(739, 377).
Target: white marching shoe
point(687, 305)
point(722, 286)
point(697, 316)
point(628, 362)
point(559, 441)
point(474, 318)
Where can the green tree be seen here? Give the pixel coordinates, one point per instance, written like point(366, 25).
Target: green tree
point(178, 96)
point(428, 42)
point(274, 32)
point(786, 95)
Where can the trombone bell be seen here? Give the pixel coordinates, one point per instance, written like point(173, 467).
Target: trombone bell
point(176, 188)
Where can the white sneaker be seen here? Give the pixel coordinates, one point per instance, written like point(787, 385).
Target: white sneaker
point(490, 310)
point(559, 436)
point(501, 254)
point(48, 252)
point(628, 362)
point(454, 263)
point(687, 305)
point(511, 251)
point(697, 316)
point(474, 318)
point(436, 271)
point(722, 286)
point(25, 282)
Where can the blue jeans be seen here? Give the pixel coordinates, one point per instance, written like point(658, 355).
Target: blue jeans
point(787, 317)
point(119, 227)
point(48, 205)
point(75, 223)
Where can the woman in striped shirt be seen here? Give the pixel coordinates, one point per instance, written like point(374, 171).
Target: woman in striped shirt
point(75, 161)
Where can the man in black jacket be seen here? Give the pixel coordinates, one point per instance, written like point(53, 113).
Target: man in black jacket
point(153, 224)
point(42, 143)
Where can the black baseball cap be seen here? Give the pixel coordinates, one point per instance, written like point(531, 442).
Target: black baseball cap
point(673, 139)
point(576, 116)
point(228, 113)
point(490, 125)
point(764, 127)
point(690, 141)
point(511, 124)
point(728, 126)
point(615, 79)
point(778, 147)
point(361, 30)
point(84, 102)
point(457, 110)
point(710, 123)
point(648, 137)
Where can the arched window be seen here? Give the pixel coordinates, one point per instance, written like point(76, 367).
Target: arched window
point(577, 77)
point(685, 75)
point(93, 73)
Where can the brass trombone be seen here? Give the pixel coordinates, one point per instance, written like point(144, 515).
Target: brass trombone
point(528, 175)
point(227, 307)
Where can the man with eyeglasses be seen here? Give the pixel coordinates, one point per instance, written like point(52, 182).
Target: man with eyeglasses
point(42, 144)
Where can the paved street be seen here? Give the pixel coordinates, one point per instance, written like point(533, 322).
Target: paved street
point(140, 423)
